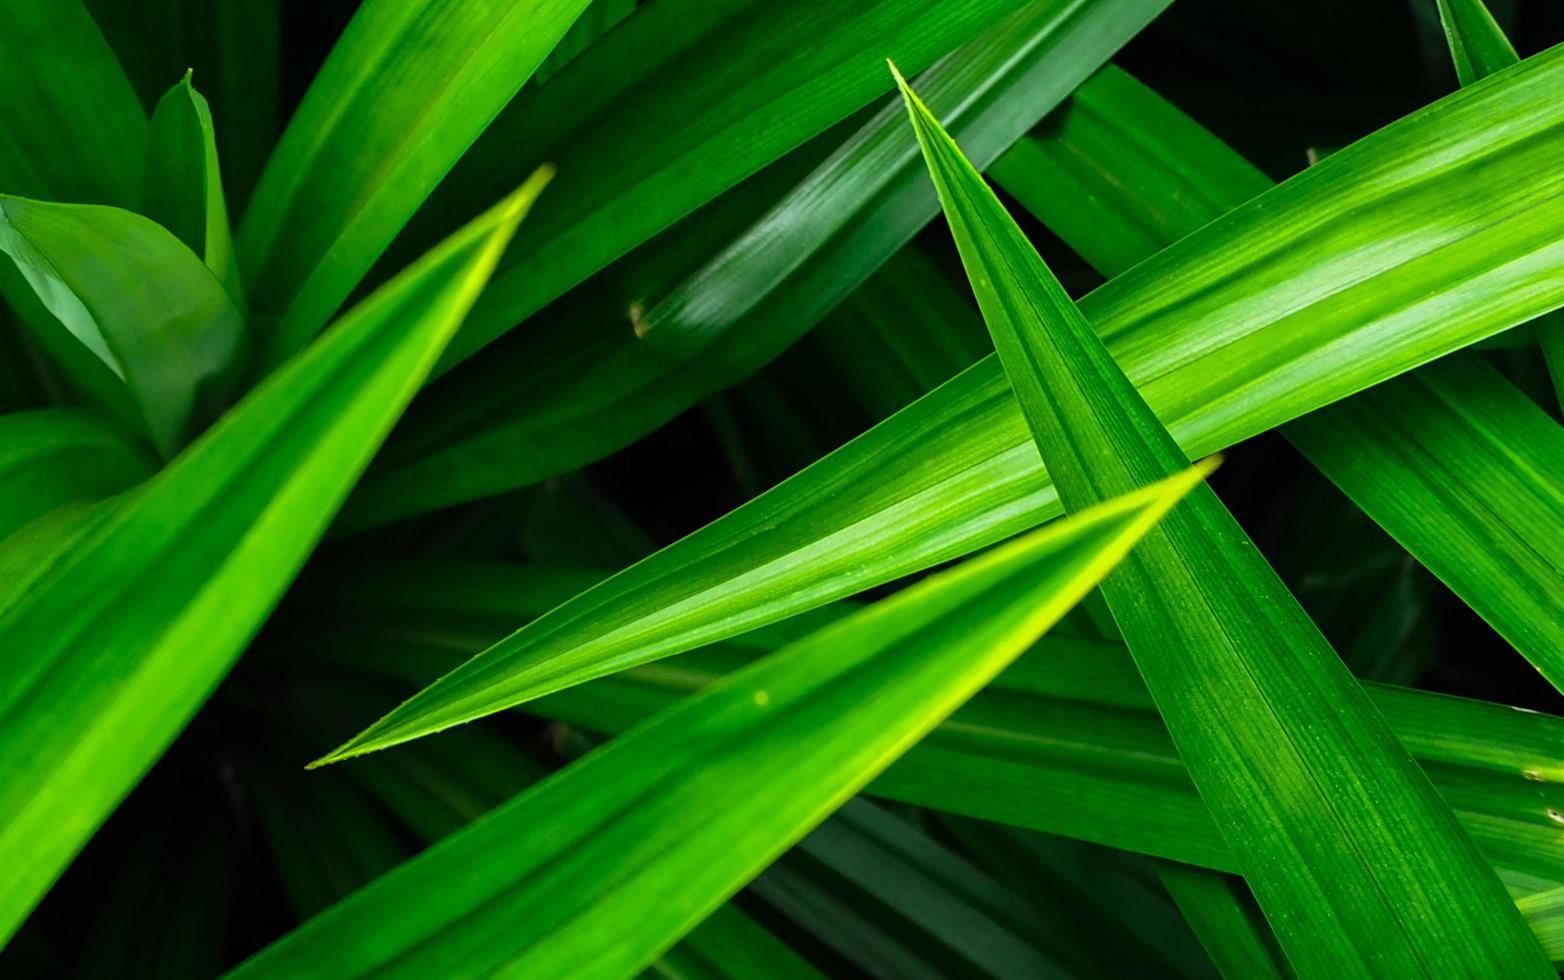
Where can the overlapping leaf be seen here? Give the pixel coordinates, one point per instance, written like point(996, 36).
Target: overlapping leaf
point(134, 297)
point(1359, 865)
point(1304, 295)
point(1453, 460)
point(407, 88)
point(629, 848)
point(1067, 740)
point(114, 647)
point(747, 294)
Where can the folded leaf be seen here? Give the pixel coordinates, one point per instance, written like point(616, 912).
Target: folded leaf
point(74, 129)
point(185, 185)
point(139, 300)
point(1358, 864)
point(407, 88)
point(604, 865)
point(1378, 259)
point(111, 652)
point(234, 48)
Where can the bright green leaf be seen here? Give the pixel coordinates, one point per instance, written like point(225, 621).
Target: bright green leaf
point(1361, 868)
point(130, 631)
point(601, 867)
point(1254, 320)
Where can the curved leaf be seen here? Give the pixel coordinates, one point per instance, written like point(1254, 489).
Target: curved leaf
point(74, 130)
point(139, 300)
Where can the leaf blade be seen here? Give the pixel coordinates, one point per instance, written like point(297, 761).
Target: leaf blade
point(1384, 878)
point(636, 854)
point(119, 657)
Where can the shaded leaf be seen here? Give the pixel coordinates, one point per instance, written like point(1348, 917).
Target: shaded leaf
point(185, 184)
point(135, 297)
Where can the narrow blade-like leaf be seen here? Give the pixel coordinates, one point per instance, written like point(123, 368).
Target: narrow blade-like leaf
point(407, 88)
point(1359, 865)
point(601, 867)
point(1254, 320)
point(185, 184)
point(110, 653)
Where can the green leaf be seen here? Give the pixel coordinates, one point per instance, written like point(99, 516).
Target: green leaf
point(1066, 740)
point(602, 866)
point(1256, 319)
point(139, 300)
point(682, 102)
point(1104, 905)
point(406, 89)
point(1479, 48)
point(1452, 460)
point(233, 47)
point(443, 784)
point(1477, 45)
point(74, 129)
point(1462, 469)
point(1546, 912)
point(1120, 175)
point(1222, 912)
point(1359, 865)
point(894, 901)
point(750, 292)
point(185, 185)
point(129, 632)
point(57, 456)
point(999, 86)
